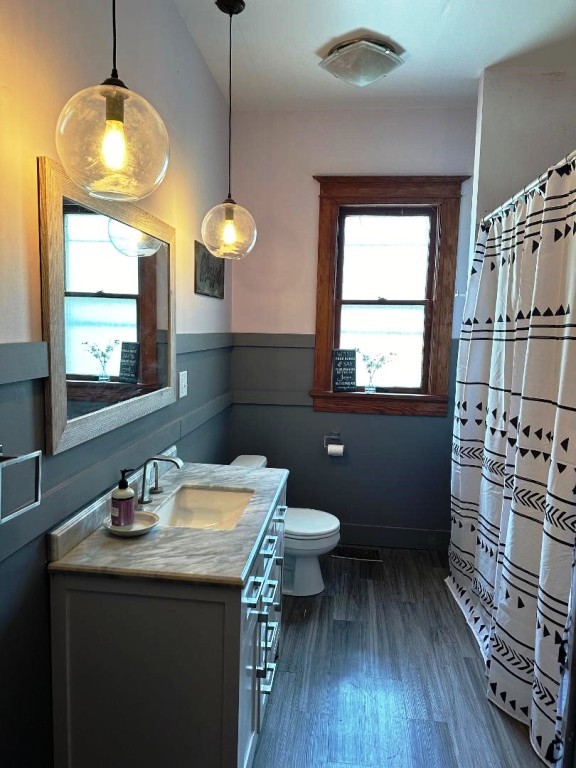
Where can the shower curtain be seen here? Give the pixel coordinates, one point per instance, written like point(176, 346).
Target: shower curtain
point(514, 452)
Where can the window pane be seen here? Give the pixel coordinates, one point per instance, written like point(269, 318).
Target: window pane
point(97, 321)
point(92, 262)
point(385, 257)
point(394, 331)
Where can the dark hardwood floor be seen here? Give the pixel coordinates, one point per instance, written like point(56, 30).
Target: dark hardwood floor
point(382, 670)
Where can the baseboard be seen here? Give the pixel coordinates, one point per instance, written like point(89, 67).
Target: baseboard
point(397, 538)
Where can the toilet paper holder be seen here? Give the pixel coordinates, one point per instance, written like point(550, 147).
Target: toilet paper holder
point(332, 439)
point(333, 444)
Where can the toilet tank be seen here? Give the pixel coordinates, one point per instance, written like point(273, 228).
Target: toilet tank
point(249, 461)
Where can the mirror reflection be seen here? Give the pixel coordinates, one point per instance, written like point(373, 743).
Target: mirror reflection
point(107, 311)
point(115, 316)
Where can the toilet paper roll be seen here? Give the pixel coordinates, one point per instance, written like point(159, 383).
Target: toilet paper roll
point(335, 449)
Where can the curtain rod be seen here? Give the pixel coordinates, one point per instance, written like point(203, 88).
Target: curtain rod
point(528, 188)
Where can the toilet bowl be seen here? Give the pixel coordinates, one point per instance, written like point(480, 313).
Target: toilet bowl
point(308, 533)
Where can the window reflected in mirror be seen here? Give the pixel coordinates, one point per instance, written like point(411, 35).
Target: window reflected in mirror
point(114, 345)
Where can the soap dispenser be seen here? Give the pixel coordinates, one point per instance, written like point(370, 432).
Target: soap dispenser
point(123, 501)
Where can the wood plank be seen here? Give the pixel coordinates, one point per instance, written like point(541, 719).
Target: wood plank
point(430, 745)
point(381, 669)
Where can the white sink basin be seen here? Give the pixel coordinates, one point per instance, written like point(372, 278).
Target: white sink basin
point(217, 509)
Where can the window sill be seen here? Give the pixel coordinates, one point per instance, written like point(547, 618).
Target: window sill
point(103, 391)
point(393, 404)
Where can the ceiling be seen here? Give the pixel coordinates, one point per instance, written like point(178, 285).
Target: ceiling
point(446, 45)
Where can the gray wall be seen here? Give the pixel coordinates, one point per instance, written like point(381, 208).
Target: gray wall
point(391, 488)
point(198, 424)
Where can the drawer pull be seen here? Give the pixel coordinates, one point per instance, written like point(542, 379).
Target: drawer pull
point(280, 514)
point(266, 686)
point(280, 565)
point(263, 617)
point(270, 549)
point(253, 590)
point(272, 633)
point(261, 672)
point(269, 591)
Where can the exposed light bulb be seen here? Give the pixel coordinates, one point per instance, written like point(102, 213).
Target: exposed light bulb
point(114, 145)
point(229, 230)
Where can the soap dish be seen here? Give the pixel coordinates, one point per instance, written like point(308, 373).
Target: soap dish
point(143, 522)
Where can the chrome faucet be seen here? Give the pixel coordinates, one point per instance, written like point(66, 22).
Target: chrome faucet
point(145, 497)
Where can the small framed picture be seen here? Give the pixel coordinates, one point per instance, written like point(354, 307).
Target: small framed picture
point(208, 272)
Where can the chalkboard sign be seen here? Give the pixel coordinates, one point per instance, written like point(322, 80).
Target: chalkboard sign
point(208, 272)
point(344, 370)
point(129, 362)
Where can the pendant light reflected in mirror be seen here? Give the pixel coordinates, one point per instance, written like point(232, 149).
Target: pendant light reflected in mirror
point(228, 229)
point(111, 141)
point(130, 241)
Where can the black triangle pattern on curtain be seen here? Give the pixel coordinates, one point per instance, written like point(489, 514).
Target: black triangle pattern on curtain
point(513, 458)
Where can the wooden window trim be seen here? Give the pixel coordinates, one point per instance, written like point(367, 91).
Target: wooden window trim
point(147, 322)
point(440, 192)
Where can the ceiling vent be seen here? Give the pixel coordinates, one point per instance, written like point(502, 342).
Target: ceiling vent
point(361, 61)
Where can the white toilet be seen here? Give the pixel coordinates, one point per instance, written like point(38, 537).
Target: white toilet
point(308, 533)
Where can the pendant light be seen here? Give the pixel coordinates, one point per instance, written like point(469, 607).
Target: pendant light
point(130, 241)
point(111, 141)
point(228, 229)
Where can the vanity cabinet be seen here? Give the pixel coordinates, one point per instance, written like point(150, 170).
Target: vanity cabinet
point(153, 672)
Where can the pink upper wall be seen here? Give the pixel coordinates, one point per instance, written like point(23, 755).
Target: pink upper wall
point(50, 50)
point(276, 156)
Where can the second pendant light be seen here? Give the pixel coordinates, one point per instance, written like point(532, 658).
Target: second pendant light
point(228, 229)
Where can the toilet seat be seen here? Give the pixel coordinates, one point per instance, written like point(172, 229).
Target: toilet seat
point(309, 524)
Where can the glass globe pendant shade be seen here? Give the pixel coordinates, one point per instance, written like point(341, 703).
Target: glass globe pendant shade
point(130, 241)
point(112, 142)
point(229, 231)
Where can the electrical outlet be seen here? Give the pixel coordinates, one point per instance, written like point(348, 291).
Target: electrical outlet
point(183, 391)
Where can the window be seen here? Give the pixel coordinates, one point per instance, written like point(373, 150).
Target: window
point(109, 298)
point(386, 266)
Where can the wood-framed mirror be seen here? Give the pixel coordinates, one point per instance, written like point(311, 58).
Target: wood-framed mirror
point(107, 273)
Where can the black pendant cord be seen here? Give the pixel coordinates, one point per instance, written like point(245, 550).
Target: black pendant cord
point(114, 70)
point(229, 113)
point(114, 79)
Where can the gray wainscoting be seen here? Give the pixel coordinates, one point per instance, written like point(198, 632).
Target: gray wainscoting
point(198, 424)
point(391, 488)
point(71, 479)
point(246, 394)
point(23, 361)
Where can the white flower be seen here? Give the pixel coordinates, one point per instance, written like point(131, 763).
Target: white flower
point(102, 355)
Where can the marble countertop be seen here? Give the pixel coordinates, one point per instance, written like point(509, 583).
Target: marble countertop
point(185, 554)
